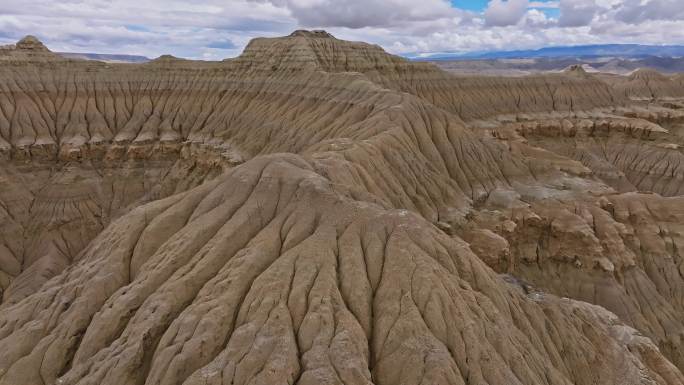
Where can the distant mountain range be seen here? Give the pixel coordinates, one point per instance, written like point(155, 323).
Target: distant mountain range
point(608, 58)
point(526, 66)
point(110, 58)
point(622, 51)
point(601, 50)
point(615, 58)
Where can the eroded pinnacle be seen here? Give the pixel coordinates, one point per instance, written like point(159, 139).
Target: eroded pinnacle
point(31, 43)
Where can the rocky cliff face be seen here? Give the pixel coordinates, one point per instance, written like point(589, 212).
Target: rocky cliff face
point(317, 211)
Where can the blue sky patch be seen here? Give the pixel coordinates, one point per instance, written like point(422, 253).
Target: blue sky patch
point(223, 44)
point(136, 27)
point(470, 5)
point(480, 5)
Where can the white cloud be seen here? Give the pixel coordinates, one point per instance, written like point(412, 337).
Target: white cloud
point(505, 12)
point(637, 11)
point(577, 13)
point(151, 27)
point(365, 13)
point(537, 19)
point(215, 29)
point(544, 4)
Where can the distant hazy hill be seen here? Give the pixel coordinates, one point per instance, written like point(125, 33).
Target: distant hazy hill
point(613, 50)
point(525, 66)
point(114, 58)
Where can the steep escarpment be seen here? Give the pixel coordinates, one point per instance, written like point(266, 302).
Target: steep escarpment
point(630, 153)
point(469, 97)
point(317, 211)
point(618, 251)
point(49, 214)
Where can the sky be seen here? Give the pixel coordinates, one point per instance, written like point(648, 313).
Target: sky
point(216, 29)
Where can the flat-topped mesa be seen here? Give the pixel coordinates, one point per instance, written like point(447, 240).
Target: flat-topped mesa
point(316, 33)
point(166, 60)
point(318, 50)
point(27, 49)
point(165, 57)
